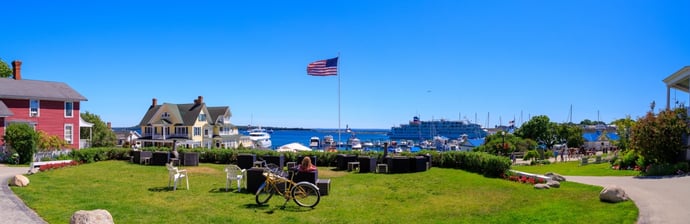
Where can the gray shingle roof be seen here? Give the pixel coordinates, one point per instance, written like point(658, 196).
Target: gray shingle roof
point(41, 90)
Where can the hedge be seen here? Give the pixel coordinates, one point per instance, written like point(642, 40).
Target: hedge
point(476, 162)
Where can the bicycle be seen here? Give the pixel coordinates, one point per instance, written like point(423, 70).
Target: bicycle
point(304, 194)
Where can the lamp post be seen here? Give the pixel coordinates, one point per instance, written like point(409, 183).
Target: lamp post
point(503, 142)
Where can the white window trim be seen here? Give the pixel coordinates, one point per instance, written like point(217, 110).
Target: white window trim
point(72, 110)
point(70, 138)
point(38, 108)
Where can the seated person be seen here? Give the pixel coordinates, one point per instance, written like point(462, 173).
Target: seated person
point(306, 165)
point(306, 171)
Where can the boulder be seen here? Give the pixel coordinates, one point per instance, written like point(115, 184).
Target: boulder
point(553, 183)
point(19, 180)
point(555, 176)
point(613, 194)
point(541, 186)
point(98, 216)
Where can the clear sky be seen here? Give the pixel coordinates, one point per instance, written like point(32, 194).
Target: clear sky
point(500, 60)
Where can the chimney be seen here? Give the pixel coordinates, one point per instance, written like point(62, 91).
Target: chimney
point(17, 69)
point(110, 127)
point(154, 102)
point(200, 99)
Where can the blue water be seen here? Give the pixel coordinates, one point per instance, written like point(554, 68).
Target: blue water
point(283, 137)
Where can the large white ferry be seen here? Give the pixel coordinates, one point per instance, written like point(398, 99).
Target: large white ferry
point(419, 130)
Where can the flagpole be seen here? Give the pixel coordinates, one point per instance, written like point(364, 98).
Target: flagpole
point(338, 74)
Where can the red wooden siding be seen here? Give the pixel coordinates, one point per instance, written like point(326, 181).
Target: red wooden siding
point(51, 118)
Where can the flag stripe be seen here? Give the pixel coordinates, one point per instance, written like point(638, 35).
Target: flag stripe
point(323, 67)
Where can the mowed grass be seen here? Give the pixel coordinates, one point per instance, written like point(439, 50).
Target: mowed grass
point(138, 194)
point(573, 168)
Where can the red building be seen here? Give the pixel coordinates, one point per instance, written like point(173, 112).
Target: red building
point(52, 107)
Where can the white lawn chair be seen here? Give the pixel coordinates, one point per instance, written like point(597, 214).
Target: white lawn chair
point(176, 175)
point(234, 172)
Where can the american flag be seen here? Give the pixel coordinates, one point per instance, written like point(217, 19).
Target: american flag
point(323, 67)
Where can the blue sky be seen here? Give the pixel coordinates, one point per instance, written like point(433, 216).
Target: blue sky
point(437, 59)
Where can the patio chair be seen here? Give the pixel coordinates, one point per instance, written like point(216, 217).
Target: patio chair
point(234, 172)
point(175, 175)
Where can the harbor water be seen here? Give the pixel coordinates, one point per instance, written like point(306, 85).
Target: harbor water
point(283, 137)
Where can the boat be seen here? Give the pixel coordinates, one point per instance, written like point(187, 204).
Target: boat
point(426, 130)
point(314, 142)
point(368, 144)
point(354, 143)
point(260, 138)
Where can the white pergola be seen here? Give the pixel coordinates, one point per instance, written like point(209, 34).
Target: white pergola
point(679, 80)
point(85, 124)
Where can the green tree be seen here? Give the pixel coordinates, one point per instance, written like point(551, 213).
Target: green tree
point(22, 138)
point(102, 136)
point(570, 134)
point(540, 129)
point(623, 128)
point(5, 70)
point(660, 139)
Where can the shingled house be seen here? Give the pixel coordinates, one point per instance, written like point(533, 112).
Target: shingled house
point(52, 107)
point(188, 125)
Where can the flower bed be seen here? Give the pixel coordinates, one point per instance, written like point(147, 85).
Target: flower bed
point(50, 166)
point(523, 178)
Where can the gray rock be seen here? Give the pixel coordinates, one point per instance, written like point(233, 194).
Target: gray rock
point(541, 186)
point(555, 176)
point(613, 193)
point(553, 183)
point(98, 216)
point(19, 180)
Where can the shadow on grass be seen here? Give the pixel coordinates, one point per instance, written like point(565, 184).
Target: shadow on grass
point(268, 209)
point(160, 189)
point(227, 191)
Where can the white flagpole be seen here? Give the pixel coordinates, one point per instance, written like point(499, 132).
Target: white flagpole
point(338, 74)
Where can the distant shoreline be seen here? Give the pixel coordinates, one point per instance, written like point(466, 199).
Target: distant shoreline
point(247, 127)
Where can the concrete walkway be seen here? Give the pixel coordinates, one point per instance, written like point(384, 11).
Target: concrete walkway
point(12, 209)
point(659, 199)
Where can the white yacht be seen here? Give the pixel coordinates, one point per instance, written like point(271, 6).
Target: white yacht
point(260, 138)
point(314, 142)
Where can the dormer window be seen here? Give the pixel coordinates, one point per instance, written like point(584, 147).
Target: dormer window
point(165, 115)
point(202, 117)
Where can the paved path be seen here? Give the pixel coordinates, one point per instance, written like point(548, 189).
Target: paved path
point(12, 209)
point(659, 199)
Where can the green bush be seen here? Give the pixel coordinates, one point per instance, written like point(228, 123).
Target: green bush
point(666, 169)
point(531, 155)
point(22, 138)
point(629, 159)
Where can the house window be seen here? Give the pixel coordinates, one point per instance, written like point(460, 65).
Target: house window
point(33, 108)
point(165, 115)
point(69, 133)
point(202, 117)
point(180, 130)
point(148, 130)
point(69, 106)
point(197, 131)
point(206, 132)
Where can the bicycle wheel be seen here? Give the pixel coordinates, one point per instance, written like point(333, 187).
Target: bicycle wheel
point(306, 195)
point(264, 194)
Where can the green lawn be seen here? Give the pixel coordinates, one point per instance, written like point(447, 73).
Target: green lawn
point(574, 168)
point(138, 194)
